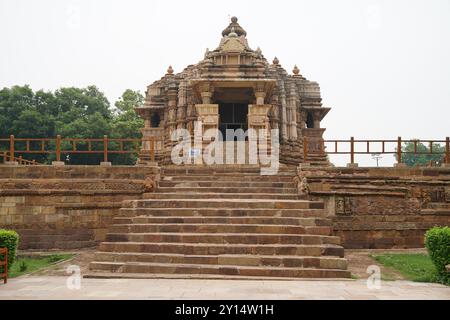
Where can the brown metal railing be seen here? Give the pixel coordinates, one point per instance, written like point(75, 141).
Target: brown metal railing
point(370, 148)
point(69, 146)
point(4, 264)
point(310, 147)
point(20, 160)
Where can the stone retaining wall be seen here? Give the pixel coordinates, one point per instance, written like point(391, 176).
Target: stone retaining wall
point(382, 207)
point(67, 207)
point(72, 206)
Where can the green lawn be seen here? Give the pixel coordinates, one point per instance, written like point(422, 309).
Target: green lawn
point(26, 265)
point(413, 266)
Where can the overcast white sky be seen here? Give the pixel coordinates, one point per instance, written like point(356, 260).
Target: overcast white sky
point(383, 66)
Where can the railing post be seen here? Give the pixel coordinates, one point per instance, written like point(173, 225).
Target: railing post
point(399, 150)
point(4, 263)
point(447, 151)
point(305, 149)
point(352, 150)
point(11, 148)
point(352, 163)
point(105, 152)
point(5, 157)
point(12, 158)
point(58, 161)
point(105, 148)
point(58, 148)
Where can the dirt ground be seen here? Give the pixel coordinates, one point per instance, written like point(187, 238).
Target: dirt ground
point(358, 261)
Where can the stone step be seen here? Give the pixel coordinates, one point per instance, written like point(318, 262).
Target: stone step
point(326, 262)
point(224, 238)
point(220, 248)
point(222, 212)
point(226, 190)
point(439, 205)
point(203, 195)
point(258, 220)
point(136, 267)
point(115, 275)
point(219, 228)
point(438, 212)
point(224, 203)
point(248, 178)
point(230, 184)
point(221, 169)
point(206, 171)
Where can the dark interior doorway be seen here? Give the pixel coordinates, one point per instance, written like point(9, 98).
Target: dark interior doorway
point(309, 120)
point(155, 120)
point(232, 116)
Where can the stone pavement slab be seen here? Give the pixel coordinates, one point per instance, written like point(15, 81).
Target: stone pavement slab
point(54, 287)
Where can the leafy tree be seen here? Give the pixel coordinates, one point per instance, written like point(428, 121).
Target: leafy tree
point(424, 157)
point(129, 100)
point(72, 113)
point(127, 124)
point(32, 123)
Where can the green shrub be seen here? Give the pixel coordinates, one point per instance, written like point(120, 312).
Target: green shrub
point(437, 241)
point(9, 239)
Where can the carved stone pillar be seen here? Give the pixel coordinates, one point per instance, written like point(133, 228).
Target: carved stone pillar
point(171, 123)
point(257, 120)
point(206, 92)
point(283, 115)
point(292, 111)
point(258, 116)
point(208, 117)
point(260, 93)
point(208, 114)
point(182, 105)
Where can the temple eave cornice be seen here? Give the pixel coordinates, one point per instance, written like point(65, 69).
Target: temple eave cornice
point(319, 112)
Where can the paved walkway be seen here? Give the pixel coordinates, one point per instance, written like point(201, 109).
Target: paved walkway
point(54, 287)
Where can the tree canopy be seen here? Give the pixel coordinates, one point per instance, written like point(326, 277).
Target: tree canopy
point(425, 157)
point(69, 112)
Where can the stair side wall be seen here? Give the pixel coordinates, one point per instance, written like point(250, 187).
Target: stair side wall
point(382, 207)
point(67, 207)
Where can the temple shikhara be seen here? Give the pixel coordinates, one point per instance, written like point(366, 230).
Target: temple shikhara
point(235, 87)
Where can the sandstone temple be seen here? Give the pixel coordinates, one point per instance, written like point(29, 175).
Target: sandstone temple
point(235, 87)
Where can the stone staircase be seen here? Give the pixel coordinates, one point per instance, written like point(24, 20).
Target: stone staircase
point(221, 222)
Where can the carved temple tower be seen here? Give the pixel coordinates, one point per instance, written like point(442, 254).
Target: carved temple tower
point(235, 87)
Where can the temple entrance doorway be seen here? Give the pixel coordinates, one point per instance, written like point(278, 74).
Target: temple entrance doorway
point(232, 116)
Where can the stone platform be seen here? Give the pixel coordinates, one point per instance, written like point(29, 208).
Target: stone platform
point(222, 218)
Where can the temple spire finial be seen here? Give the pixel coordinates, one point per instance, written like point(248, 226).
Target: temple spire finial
point(237, 28)
point(276, 61)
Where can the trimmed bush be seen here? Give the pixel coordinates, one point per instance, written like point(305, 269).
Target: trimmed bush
point(9, 239)
point(437, 241)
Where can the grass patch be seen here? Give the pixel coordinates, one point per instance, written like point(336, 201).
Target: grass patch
point(25, 265)
point(412, 266)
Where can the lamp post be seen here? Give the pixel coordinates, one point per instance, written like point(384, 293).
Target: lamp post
point(377, 157)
